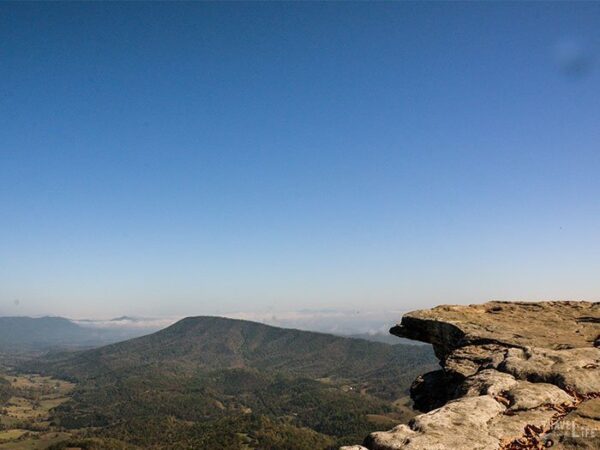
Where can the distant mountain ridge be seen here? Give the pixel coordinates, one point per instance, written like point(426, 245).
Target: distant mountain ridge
point(384, 338)
point(25, 334)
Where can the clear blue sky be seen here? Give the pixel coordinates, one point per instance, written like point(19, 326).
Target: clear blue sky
point(191, 158)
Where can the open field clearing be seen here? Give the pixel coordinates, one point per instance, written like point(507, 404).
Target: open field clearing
point(37, 441)
point(25, 418)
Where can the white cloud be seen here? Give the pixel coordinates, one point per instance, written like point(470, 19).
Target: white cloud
point(343, 322)
point(330, 321)
point(129, 323)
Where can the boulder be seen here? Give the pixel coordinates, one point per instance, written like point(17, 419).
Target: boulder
point(436, 430)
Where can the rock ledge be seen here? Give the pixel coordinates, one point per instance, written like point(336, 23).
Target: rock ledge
point(515, 375)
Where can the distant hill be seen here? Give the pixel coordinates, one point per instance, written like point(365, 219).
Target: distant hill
point(385, 338)
point(237, 378)
point(26, 334)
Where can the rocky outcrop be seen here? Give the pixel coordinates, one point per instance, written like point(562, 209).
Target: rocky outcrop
point(514, 375)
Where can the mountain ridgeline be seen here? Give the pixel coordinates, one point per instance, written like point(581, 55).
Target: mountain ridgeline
point(219, 343)
point(19, 334)
point(27, 334)
point(211, 382)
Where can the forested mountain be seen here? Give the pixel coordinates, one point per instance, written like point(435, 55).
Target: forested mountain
point(219, 343)
point(210, 382)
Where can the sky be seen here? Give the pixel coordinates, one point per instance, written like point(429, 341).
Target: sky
point(171, 159)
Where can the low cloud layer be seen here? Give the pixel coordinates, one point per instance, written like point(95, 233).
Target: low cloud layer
point(345, 322)
point(126, 322)
point(329, 321)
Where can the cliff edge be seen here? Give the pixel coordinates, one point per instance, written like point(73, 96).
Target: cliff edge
point(515, 375)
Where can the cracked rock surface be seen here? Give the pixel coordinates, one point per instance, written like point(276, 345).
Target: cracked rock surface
point(515, 375)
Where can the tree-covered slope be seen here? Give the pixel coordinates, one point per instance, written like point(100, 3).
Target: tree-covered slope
point(204, 372)
point(218, 343)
